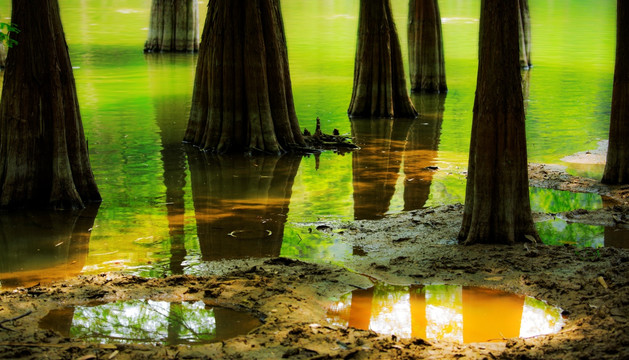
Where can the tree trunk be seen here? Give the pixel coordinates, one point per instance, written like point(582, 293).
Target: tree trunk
point(174, 26)
point(524, 23)
point(3, 55)
point(497, 206)
point(379, 82)
point(43, 153)
point(242, 99)
point(425, 47)
point(617, 166)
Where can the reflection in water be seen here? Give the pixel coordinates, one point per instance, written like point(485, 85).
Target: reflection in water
point(39, 246)
point(421, 148)
point(445, 312)
point(617, 237)
point(560, 232)
point(384, 145)
point(147, 321)
point(377, 164)
point(241, 203)
point(171, 117)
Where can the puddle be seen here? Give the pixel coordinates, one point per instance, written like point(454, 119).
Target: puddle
point(147, 321)
point(445, 312)
point(560, 232)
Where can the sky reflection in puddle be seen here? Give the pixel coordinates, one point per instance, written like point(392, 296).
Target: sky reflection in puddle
point(445, 312)
point(147, 321)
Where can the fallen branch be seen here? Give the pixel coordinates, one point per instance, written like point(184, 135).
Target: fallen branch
point(2, 327)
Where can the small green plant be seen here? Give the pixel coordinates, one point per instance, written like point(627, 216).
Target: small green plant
point(5, 30)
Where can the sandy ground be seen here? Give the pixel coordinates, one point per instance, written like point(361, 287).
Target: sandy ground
point(590, 285)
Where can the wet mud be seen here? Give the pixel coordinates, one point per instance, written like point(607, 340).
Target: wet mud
point(417, 247)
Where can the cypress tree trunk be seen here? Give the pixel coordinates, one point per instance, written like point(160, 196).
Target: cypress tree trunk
point(524, 23)
point(3, 55)
point(379, 82)
point(427, 68)
point(43, 153)
point(174, 26)
point(242, 99)
point(617, 166)
point(497, 206)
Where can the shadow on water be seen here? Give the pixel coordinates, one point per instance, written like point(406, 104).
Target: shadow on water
point(385, 145)
point(445, 312)
point(241, 203)
point(41, 247)
point(147, 321)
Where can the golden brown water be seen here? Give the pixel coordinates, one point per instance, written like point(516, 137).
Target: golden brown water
point(445, 312)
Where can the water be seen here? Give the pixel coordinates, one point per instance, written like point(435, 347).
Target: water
point(164, 214)
point(148, 321)
point(445, 312)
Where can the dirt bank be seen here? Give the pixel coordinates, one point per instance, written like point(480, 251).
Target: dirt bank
point(590, 285)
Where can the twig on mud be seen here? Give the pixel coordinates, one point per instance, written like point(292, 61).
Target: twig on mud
point(2, 327)
point(71, 344)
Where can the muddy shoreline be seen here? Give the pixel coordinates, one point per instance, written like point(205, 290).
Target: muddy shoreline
point(415, 247)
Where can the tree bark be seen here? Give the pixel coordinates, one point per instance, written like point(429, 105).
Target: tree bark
point(425, 47)
point(379, 83)
point(617, 166)
point(242, 99)
point(524, 23)
point(43, 152)
point(174, 26)
point(497, 206)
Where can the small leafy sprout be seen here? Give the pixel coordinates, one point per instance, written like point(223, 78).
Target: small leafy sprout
point(5, 30)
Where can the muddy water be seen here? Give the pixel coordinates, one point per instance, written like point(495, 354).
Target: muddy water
point(147, 321)
point(445, 312)
point(169, 209)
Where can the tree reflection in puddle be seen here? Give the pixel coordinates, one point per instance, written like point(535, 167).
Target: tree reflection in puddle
point(147, 321)
point(445, 312)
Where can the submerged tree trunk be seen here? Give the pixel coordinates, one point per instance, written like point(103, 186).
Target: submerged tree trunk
point(43, 153)
point(425, 47)
point(174, 26)
point(379, 82)
point(617, 166)
point(524, 23)
point(497, 206)
point(242, 99)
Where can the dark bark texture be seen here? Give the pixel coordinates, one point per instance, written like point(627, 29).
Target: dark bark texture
point(379, 82)
point(497, 206)
point(427, 68)
point(242, 99)
point(617, 166)
point(174, 26)
point(43, 152)
point(524, 23)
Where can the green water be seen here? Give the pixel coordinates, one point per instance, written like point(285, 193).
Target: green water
point(161, 216)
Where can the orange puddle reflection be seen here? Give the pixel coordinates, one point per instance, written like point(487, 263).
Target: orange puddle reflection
point(445, 312)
